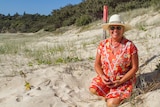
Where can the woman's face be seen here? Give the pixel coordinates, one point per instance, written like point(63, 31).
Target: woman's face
point(116, 31)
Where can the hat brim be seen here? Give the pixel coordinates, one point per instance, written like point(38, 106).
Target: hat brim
point(126, 26)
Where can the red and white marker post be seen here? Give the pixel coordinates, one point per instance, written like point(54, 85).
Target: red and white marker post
point(105, 18)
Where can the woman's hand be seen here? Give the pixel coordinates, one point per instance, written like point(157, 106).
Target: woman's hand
point(115, 83)
point(106, 81)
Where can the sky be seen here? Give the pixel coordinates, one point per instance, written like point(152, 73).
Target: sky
point(43, 7)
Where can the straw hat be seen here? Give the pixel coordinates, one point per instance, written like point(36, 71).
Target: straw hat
point(116, 20)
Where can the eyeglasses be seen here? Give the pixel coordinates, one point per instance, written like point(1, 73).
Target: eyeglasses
point(115, 27)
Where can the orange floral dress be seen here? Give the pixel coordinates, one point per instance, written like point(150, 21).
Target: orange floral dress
point(115, 66)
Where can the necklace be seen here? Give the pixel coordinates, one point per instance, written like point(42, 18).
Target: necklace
point(114, 48)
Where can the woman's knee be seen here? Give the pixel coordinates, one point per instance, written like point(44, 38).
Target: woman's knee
point(93, 91)
point(113, 102)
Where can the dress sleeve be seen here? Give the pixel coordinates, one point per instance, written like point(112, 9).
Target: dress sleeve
point(133, 48)
point(100, 47)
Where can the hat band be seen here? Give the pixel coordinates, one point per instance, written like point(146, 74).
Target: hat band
point(117, 22)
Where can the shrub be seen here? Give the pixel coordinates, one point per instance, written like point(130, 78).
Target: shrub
point(83, 20)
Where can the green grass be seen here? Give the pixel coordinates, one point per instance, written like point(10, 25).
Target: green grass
point(25, 45)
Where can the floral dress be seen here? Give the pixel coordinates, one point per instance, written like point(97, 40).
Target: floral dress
point(115, 66)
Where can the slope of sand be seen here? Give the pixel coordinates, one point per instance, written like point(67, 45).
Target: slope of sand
point(66, 85)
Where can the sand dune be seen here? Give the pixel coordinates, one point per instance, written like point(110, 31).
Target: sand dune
point(66, 85)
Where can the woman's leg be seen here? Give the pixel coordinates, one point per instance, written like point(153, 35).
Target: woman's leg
point(93, 91)
point(113, 102)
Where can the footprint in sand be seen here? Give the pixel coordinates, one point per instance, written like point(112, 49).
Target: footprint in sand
point(19, 98)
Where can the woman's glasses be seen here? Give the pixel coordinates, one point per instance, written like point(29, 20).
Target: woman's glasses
point(115, 27)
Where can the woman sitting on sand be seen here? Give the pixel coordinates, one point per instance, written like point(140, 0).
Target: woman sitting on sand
point(116, 64)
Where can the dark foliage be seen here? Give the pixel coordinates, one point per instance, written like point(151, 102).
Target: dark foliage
point(84, 13)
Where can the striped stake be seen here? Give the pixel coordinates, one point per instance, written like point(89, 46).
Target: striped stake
point(105, 18)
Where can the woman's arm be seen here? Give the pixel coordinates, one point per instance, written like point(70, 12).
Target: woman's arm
point(130, 73)
point(98, 65)
point(99, 70)
point(133, 70)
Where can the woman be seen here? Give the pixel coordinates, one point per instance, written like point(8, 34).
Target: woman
point(116, 64)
